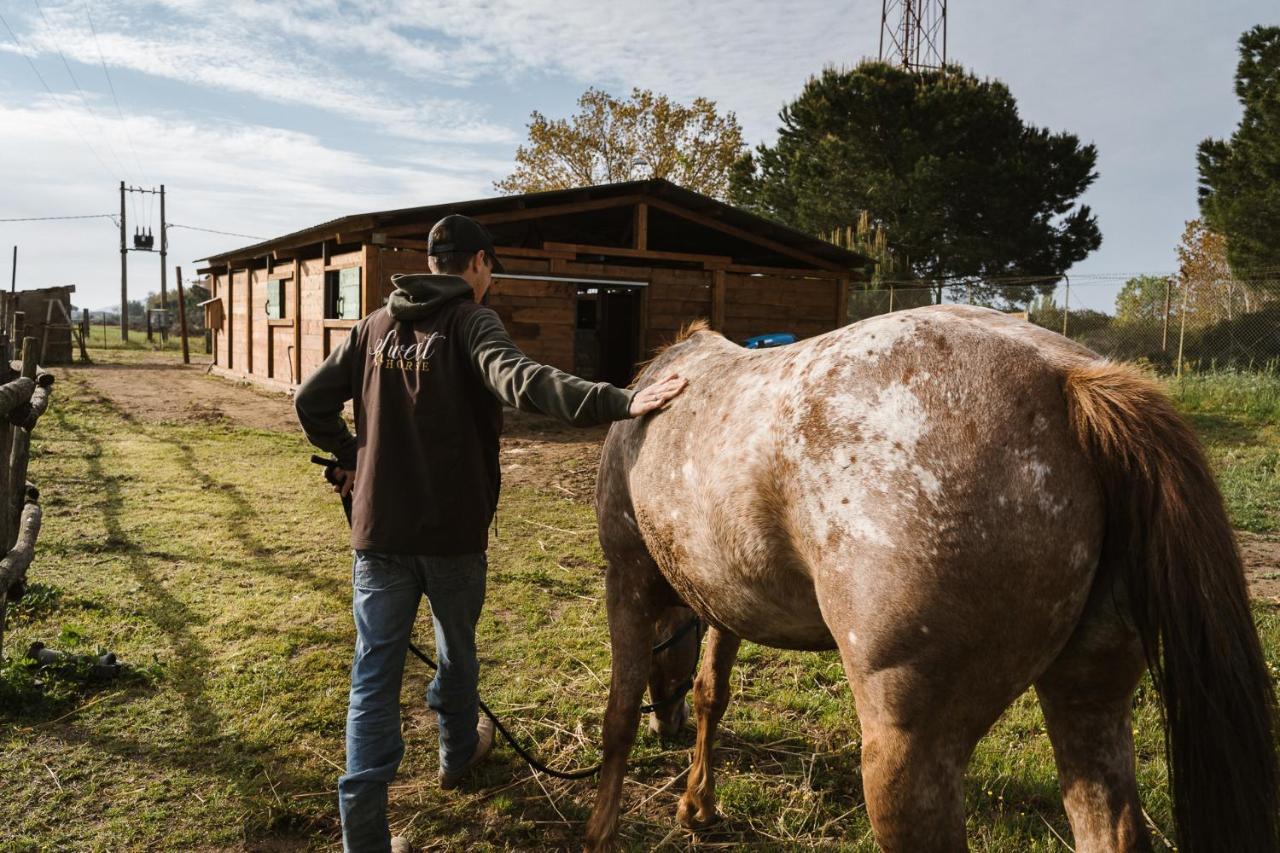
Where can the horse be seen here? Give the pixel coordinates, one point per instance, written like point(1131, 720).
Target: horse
point(964, 505)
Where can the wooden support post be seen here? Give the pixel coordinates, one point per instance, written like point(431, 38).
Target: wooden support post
point(19, 326)
point(891, 299)
point(20, 455)
point(6, 443)
point(296, 378)
point(84, 334)
point(1164, 330)
point(1066, 306)
point(640, 227)
point(1182, 329)
point(271, 335)
point(182, 315)
point(371, 286)
point(229, 312)
point(842, 302)
point(150, 337)
point(717, 300)
point(248, 317)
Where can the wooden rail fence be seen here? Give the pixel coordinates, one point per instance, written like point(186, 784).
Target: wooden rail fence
point(24, 397)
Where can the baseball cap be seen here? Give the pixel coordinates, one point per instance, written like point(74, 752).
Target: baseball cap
point(457, 233)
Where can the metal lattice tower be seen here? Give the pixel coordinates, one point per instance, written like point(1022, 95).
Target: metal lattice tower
point(913, 34)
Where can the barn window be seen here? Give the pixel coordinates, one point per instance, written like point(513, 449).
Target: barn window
point(275, 298)
point(342, 294)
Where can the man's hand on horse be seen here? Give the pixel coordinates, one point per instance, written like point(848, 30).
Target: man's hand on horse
point(343, 480)
point(657, 396)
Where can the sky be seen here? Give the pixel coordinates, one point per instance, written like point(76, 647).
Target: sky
point(265, 117)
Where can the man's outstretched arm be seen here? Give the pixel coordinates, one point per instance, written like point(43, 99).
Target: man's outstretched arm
point(523, 383)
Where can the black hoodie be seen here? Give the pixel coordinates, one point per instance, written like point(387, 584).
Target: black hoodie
point(428, 374)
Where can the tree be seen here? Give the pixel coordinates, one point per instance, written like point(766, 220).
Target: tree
point(193, 295)
point(1240, 178)
point(964, 188)
point(644, 136)
point(1213, 294)
point(1142, 299)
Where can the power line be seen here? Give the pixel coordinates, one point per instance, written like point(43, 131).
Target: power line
point(212, 231)
point(110, 85)
point(79, 91)
point(74, 127)
point(52, 218)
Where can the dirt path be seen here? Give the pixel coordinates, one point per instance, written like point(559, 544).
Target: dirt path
point(160, 390)
point(536, 452)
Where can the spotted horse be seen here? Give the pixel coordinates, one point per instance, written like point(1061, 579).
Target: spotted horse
point(964, 505)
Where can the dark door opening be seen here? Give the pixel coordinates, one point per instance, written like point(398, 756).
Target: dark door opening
point(607, 337)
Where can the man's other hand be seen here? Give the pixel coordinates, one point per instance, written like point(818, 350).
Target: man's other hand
point(343, 480)
point(657, 395)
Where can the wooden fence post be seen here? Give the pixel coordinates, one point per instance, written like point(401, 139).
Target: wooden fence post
point(1182, 328)
point(1164, 331)
point(16, 470)
point(20, 455)
point(182, 318)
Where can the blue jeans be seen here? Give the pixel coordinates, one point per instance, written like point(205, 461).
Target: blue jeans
point(387, 589)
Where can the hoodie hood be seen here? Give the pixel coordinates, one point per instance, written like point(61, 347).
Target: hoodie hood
point(421, 294)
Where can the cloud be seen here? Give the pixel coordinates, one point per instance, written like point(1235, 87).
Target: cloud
point(250, 179)
point(347, 58)
point(270, 51)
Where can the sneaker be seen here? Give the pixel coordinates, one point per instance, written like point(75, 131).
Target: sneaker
point(452, 778)
point(400, 844)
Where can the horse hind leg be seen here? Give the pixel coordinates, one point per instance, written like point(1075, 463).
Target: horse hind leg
point(913, 780)
point(1085, 695)
point(632, 608)
point(710, 698)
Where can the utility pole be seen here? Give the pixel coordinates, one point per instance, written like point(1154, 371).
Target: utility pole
point(13, 280)
point(124, 274)
point(164, 248)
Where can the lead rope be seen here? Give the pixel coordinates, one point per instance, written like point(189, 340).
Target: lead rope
point(527, 756)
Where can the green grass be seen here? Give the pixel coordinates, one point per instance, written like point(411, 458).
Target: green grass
point(1237, 416)
point(213, 560)
point(108, 338)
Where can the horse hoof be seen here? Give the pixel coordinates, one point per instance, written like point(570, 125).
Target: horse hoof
point(693, 816)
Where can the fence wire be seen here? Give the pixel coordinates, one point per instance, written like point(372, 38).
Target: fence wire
point(1167, 324)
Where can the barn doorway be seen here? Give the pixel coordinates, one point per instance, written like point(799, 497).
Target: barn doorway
point(607, 334)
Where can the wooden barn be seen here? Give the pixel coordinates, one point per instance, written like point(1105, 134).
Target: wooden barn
point(596, 279)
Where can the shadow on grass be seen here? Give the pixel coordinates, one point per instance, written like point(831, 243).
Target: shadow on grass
point(208, 745)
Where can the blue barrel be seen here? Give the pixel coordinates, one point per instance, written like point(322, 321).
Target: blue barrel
point(775, 339)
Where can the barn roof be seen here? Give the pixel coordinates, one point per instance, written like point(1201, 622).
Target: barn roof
point(678, 221)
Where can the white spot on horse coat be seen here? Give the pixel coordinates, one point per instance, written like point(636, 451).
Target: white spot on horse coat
point(853, 639)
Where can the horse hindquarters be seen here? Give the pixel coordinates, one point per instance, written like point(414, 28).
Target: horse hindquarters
point(1168, 536)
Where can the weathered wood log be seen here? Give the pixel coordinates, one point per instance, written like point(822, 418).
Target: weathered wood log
point(14, 394)
point(13, 567)
point(27, 414)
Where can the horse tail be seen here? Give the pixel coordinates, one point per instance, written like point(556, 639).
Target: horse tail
point(1167, 533)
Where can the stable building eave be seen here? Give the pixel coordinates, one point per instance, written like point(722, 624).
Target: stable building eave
point(519, 223)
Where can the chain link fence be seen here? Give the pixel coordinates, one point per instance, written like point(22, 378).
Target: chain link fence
point(1167, 324)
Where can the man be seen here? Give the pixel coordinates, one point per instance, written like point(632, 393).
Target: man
point(428, 375)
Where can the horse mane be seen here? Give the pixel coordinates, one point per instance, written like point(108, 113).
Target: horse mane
point(688, 330)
